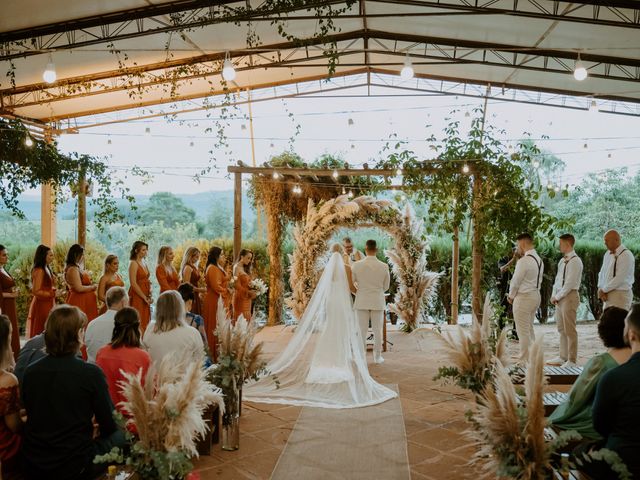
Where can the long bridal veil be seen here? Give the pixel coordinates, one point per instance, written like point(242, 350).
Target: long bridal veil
point(324, 363)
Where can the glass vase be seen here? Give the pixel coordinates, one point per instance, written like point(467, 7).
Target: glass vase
point(231, 433)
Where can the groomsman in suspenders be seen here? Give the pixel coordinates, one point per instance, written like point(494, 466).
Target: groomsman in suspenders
point(566, 298)
point(524, 292)
point(616, 275)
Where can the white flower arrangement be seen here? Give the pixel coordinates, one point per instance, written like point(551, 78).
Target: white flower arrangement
point(258, 286)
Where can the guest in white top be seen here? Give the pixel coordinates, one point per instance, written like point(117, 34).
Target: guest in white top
point(566, 298)
point(616, 275)
point(100, 329)
point(524, 292)
point(169, 333)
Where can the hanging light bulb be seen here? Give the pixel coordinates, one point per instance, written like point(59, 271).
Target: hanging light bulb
point(350, 121)
point(191, 144)
point(407, 70)
point(147, 130)
point(510, 147)
point(465, 168)
point(28, 141)
point(243, 127)
point(350, 195)
point(272, 145)
point(593, 106)
point(109, 141)
point(579, 72)
point(49, 75)
point(399, 171)
point(353, 147)
point(549, 185)
point(403, 197)
point(344, 192)
point(585, 146)
point(557, 188)
point(228, 72)
point(467, 114)
point(335, 174)
point(536, 164)
point(609, 156)
point(276, 175)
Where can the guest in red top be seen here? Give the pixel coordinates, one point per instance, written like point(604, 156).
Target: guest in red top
point(140, 289)
point(43, 290)
point(110, 278)
point(8, 294)
point(165, 272)
point(10, 422)
point(123, 354)
point(217, 282)
point(82, 292)
point(243, 295)
point(191, 274)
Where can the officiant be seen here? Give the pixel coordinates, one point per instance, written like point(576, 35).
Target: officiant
point(351, 254)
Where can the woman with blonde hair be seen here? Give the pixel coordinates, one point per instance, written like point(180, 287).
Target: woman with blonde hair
point(190, 273)
point(110, 278)
point(165, 272)
point(140, 285)
point(169, 332)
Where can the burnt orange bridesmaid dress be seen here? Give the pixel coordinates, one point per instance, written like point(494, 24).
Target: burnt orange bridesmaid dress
point(167, 280)
point(85, 301)
point(196, 306)
point(242, 297)
point(116, 282)
point(8, 307)
point(44, 298)
point(136, 301)
point(217, 286)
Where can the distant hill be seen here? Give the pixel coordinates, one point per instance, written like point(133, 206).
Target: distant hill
point(201, 203)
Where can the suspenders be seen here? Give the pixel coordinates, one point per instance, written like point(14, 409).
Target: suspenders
point(539, 265)
point(564, 273)
point(615, 263)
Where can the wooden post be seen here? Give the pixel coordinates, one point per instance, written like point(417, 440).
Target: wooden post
point(47, 206)
point(455, 270)
point(82, 208)
point(237, 215)
point(253, 164)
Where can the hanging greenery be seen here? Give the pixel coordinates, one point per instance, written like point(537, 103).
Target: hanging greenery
point(24, 167)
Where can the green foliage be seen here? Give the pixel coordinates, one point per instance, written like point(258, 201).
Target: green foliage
point(610, 457)
point(167, 208)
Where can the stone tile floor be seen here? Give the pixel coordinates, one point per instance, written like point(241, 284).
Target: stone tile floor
point(433, 413)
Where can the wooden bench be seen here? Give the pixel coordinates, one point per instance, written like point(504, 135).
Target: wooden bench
point(552, 400)
point(555, 375)
point(212, 419)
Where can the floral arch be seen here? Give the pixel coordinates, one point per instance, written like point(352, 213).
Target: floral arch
point(408, 257)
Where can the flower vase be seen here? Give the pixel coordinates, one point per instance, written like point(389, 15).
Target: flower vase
point(231, 421)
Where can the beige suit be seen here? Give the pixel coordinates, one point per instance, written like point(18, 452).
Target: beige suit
point(372, 278)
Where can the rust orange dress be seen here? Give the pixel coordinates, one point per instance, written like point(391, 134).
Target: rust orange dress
point(8, 307)
point(136, 301)
point(242, 298)
point(44, 298)
point(217, 286)
point(116, 282)
point(167, 281)
point(85, 301)
point(196, 306)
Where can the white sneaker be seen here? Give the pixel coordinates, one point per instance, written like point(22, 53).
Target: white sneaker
point(556, 361)
point(378, 359)
point(568, 364)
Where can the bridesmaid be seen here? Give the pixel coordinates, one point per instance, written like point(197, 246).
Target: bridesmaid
point(166, 275)
point(243, 295)
point(190, 273)
point(110, 278)
point(140, 285)
point(217, 282)
point(81, 292)
point(43, 290)
point(8, 295)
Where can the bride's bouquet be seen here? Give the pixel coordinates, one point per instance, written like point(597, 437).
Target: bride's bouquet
point(258, 287)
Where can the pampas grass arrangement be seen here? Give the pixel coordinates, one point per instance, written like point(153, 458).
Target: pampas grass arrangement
point(167, 412)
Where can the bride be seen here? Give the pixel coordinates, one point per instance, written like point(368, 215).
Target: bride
point(324, 363)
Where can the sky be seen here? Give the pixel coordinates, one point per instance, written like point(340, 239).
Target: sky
point(174, 150)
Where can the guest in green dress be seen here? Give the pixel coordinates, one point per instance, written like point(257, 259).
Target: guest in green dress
point(575, 413)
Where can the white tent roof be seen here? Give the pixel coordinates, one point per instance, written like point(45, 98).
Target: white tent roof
point(527, 44)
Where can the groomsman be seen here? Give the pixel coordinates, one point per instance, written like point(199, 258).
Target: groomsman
point(566, 298)
point(616, 275)
point(524, 292)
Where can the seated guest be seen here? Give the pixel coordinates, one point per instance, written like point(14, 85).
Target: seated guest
point(10, 423)
point(123, 354)
point(188, 294)
point(62, 396)
point(617, 404)
point(100, 331)
point(169, 332)
point(575, 412)
point(31, 352)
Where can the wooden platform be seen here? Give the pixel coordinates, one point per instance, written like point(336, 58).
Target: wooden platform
point(555, 375)
point(552, 400)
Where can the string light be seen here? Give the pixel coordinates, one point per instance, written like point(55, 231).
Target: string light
point(593, 107)
point(191, 144)
point(49, 75)
point(549, 185)
point(335, 174)
point(467, 114)
point(465, 168)
point(403, 197)
point(272, 145)
point(344, 192)
point(557, 188)
point(109, 141)
point(147, 130)
point(407, 70)
point(297, 190)
point(585, 146)
point(609, 156)
point(579, 72)
point(228, 72)
point(243, 127)
point(350, 195)
point(276, 175)
point(536, 164)
point(399, 171)
point(28, 141)
point(350, 121)
point(353, 146)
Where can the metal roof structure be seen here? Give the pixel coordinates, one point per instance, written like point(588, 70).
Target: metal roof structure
point(118, 55)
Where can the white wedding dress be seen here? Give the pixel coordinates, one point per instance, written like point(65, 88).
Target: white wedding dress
point(324, 363)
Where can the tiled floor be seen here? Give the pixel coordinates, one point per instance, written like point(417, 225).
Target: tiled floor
point(433, 413)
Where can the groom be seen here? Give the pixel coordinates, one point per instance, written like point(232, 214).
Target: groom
point(372, 279)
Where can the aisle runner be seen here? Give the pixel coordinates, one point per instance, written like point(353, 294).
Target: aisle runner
point(349, 444)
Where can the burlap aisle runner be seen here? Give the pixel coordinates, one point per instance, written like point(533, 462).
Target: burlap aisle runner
point(360, 443)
